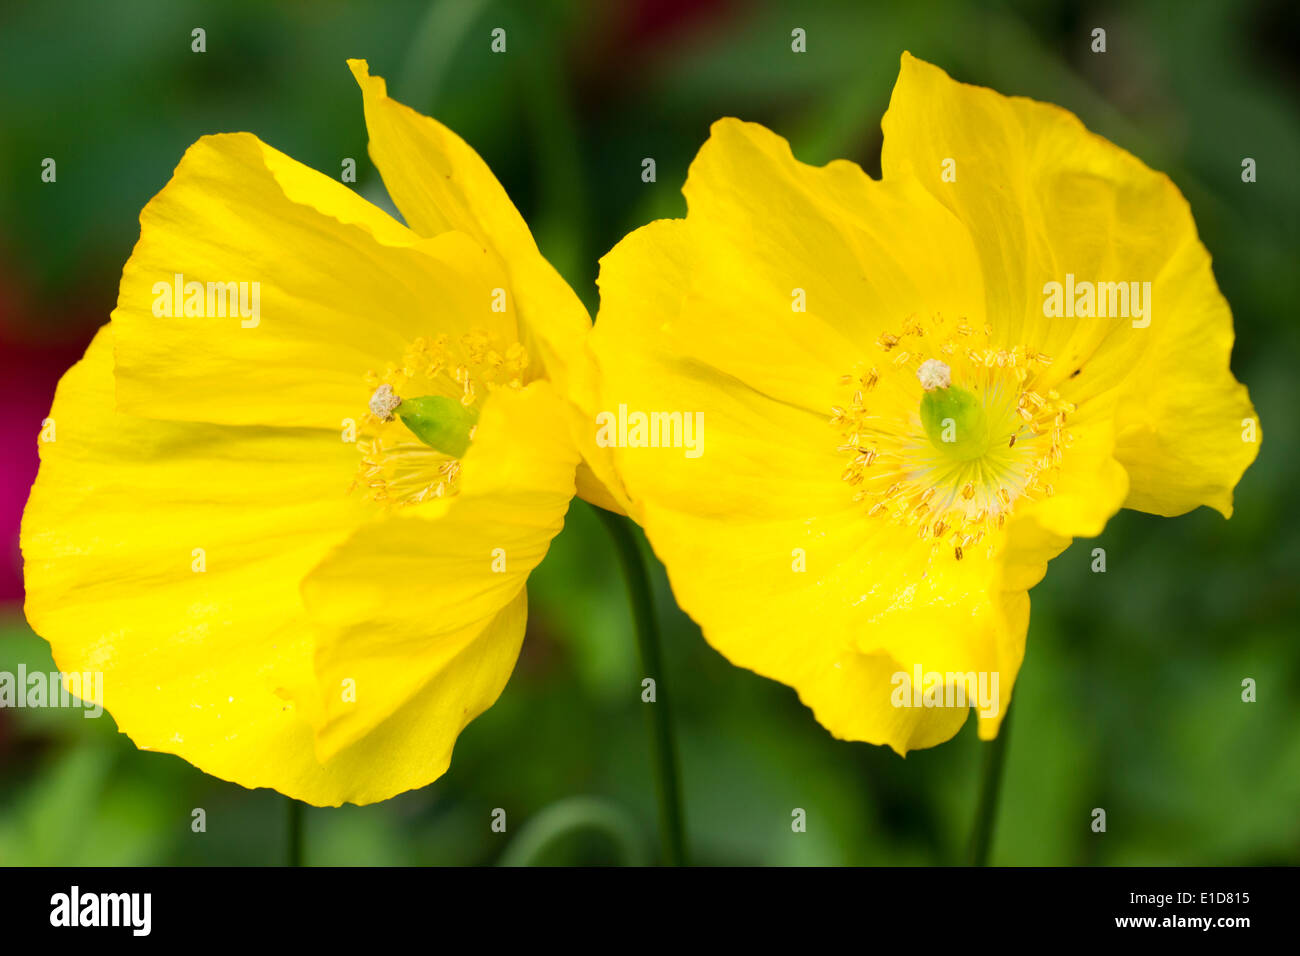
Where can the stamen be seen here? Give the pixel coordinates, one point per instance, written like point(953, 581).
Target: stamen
point(989, 432)
point(416, 459)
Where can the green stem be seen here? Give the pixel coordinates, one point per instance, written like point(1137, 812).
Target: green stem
point(995, 755)
point(295, 832)
point(553, 825)
point(658, 717)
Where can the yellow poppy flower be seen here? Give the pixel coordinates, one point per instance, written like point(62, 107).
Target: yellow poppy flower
point(299, 481)
point(905, 404)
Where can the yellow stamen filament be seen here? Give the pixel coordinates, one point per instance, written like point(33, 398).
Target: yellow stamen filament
point(396, 467)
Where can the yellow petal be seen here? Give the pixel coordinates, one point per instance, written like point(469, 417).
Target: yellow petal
point(1044, 198)
point(206, 664)
point(171, 558)
point(838, 608)
point(434, 177)
point(334, 287)
point(746, 455)
point(422, 613)
point(822, 259)
point(1187, 430)
point(440, 184)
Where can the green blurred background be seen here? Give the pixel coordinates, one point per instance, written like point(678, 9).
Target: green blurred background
point(1130, 696)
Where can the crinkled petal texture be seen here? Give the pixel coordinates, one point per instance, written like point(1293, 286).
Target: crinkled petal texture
point(339, 288)
point(412, 608)
point(791, 295)
point(216, 527)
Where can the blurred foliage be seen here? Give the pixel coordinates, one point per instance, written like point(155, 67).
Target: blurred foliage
point(1130, 694)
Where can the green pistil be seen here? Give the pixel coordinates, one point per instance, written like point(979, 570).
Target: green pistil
point(955, 422)
point(441, 423)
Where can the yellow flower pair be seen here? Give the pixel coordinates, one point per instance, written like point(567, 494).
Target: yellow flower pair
point(301, 478)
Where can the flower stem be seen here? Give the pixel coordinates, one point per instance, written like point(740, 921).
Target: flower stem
point(995, 755)
point(550, 827)
point(295, 832)
point(658, 717)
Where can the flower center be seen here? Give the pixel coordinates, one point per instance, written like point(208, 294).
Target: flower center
point(955, 421)
point(948, 432)
point(411, 446)
point(444, 424)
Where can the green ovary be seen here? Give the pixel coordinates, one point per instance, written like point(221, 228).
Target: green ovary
point(443, 424)
point(955, 422)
